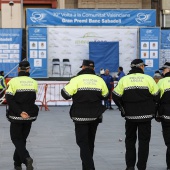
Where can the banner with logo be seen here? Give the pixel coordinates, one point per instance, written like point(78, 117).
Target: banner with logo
point(73, 44)
point(10, 50)
point(149, 48)
point(165, 47)
point(76, 17)
point(105, 55)
point(37, 51)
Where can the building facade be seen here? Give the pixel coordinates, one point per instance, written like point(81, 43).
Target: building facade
point(13, 12)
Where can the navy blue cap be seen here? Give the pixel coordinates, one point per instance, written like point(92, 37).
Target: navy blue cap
point(88, 63)
point(137, 63)
point(166, 65)
point(24, 65)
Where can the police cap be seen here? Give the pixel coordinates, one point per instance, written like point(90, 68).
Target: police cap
point(23, 65)
point(137, 63)
point(88, 63)
point(166, 65)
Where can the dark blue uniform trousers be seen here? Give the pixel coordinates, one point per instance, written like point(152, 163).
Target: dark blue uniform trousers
point(85, 138)
point(166, 136)
point(19, 133)
point(144, 134)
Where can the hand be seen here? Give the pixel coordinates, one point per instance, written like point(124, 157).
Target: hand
point(122, 111)
point(157, 116)
point(24, 115)
point(158, 119)
point(122, 114)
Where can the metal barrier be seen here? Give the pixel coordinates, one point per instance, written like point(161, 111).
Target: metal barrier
point(47, 93)
point(41, 96)
point(50, 93)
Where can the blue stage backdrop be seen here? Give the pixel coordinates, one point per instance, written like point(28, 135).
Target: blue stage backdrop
point(105, 55)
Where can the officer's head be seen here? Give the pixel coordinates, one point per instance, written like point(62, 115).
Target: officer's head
point(138, 63)
point(165, 68)
point(24, 66)
point(87, 64)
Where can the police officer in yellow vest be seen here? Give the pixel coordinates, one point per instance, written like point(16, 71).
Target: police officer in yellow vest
point(164, 108)
point(136, 96)
point(20, 97)
point(2, 84)
point(87, 91)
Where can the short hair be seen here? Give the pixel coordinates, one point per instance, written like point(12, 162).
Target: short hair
point(157, 75)
point(121, 68)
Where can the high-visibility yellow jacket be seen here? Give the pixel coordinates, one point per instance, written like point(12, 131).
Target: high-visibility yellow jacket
point(164, 104)
point(138, 94)
point(21, 96)
point(2, 83)
point(87, 91)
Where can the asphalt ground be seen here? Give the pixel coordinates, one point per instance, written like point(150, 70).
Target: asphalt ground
point(52, 144)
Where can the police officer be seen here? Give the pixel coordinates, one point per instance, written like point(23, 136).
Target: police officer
point(164, 108)
point(20, 97)
point(109, 82)
point(136, 96)
point(87, 90)
point(2, 84)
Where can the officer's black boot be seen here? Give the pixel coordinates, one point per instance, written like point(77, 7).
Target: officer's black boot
point(29, 162)
point(17, 167)
point(130, 168)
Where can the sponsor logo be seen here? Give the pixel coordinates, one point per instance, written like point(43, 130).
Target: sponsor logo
point(91, 35)
point(36, 30)
point(66, 39)
point(65, 52)
point(36, 17)
point(149, 31)
point(65, 45)
point(142, 18)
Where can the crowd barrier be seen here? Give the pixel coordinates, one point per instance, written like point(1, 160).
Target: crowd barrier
point(41, 96)
point(50, 94)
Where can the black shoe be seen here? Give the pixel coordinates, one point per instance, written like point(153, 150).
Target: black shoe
point(17, 167)
point(130, 168)
point(29, 162)
point(111, 108)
